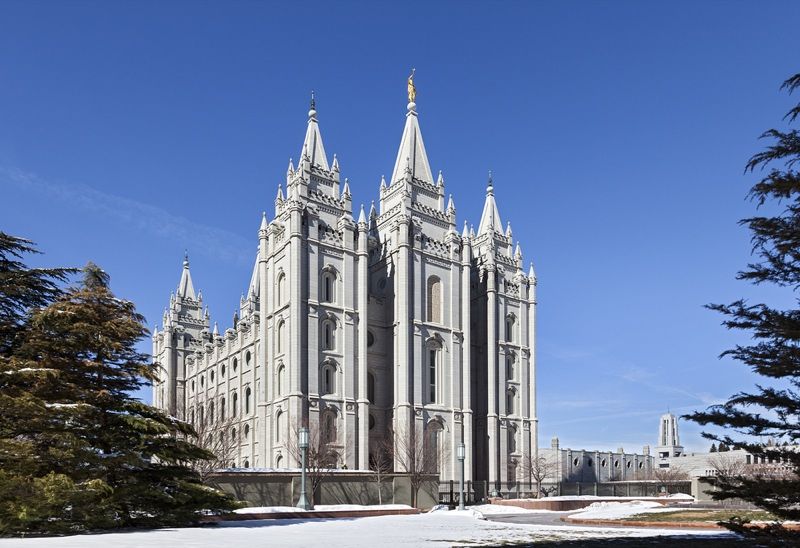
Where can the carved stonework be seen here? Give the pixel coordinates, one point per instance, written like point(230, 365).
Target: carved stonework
point(350, 406)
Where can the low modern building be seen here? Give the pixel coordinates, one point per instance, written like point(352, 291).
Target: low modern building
point(594, 466)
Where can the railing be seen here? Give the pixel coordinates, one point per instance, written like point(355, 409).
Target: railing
point(480, 491)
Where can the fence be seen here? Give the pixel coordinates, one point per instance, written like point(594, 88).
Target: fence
point(479, 491)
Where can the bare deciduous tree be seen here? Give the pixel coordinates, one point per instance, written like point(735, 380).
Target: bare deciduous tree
point(668, 477)
point(321, 457)
point(537, 469)
point(218, 435)
point(381, 462)
point(417, 455)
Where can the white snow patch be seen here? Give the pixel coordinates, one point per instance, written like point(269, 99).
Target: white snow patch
point(619, 510)
point(320, 507)
point(437, 529)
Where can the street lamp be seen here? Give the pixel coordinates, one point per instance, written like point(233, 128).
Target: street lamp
point(303, 502)
point(461, 453)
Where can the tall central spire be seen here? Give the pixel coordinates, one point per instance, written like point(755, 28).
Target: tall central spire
point(490, 218)
point(412, 149)
point(185, 286)
point(312, 145)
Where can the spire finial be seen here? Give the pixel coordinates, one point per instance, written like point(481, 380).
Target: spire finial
point(412, 90)
point(313, 101)
point(185, 258)
point(490, 186)
point(312, 111)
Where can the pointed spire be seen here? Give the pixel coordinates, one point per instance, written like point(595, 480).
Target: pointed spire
point(383, 183)
point(509, 234)
point(264, 223)
point(440, 179)
point(254, 288)
point(279, 197)
point(185, 287)
point(216, 330)
point(312, 145)
point(412, 148)
point(451, 206)
point(335, 166)
point(465, 232)
point(362, 218)
point(372, 212)
point(531, 273)
point(290, 169)
point(490, 218)
point(518, 252)
point(471, 231)
point(346, 189)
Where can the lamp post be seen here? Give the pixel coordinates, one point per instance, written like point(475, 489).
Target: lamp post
point(461, 454)
point(303, 502)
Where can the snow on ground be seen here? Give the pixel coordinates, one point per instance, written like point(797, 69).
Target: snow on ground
point(320, 507)
point(619, 510)
point(499, 509)
point(676, 497)
point(438, 529)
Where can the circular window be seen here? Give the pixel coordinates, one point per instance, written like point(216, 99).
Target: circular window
point(370, 338)
point(235, 364)
point(371, 422)
point(575, 462)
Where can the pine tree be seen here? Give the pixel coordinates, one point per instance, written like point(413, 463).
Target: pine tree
point(713, 448)
point(772, 408)
point(89, 454)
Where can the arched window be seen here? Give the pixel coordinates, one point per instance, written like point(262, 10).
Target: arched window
point(280, 295)
point(510, 372)
point(280, 381)
point(211, 416)
point(235, 364)
point(246, 463)
point(328, 286)
point(371, 387)
point(510, 320)
point(201, 415)
point(432, 372)
point(222, 408)
point(328, 335)
point(511, 401)
point(279, 420)
point(512, 439)
point(212, 376)
point(279, 462)
point(279, 332)
point(247, 394)
point(246, 431)
point(247, 357)
point(328, 432)
point(222, 370)
point(434, 300)
point(432, 448)
point(234, 404)
point(327, 379)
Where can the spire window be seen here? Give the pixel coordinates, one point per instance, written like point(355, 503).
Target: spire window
point(434, 300)
point(510, 321)
point(328, 286)
point(247, 394)
point(432, 371)
point(328, 379)
point(328, 334)
point(280, 293)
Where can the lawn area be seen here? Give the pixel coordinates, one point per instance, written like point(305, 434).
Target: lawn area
point(702, 515)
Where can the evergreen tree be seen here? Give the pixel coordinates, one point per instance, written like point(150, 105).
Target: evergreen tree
point(772, 408)
point(713, 448)
point(77, 451)
point(723, 448)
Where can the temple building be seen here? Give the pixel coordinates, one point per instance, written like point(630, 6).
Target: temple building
point(365, 324)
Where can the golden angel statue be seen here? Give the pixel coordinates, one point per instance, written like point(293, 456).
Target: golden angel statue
point(412, 90)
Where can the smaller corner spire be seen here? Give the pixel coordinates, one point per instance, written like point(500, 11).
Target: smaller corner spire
point(372, 212)
point(465, 232)
point(362, 217)
point(264, 223)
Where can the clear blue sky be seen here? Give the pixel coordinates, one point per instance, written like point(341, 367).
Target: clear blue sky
point(617, 133)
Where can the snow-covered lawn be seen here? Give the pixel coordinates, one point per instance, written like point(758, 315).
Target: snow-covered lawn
point(441, 528)
point(320, 508)
point(619, 510)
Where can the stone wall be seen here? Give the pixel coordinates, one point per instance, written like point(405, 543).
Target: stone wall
point(282, 488)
